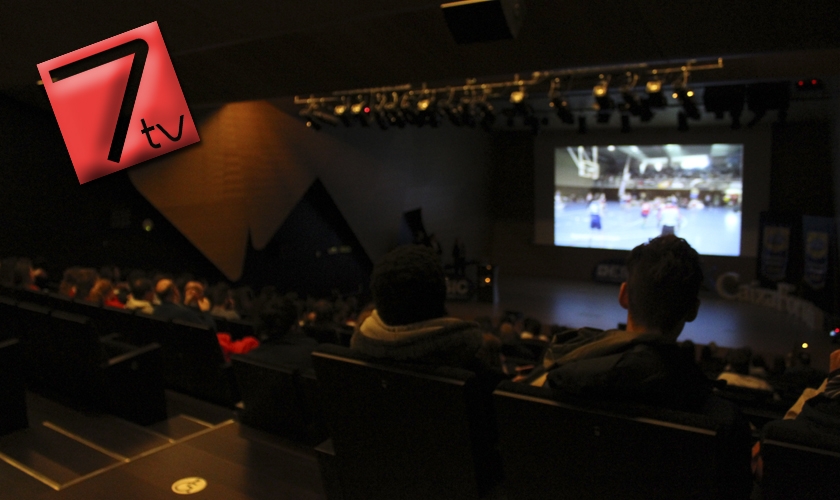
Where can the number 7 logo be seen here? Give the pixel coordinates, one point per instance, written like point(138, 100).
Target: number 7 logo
point(109, 98)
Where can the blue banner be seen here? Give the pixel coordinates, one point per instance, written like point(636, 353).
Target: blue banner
point(816, 237)
point(775, 251)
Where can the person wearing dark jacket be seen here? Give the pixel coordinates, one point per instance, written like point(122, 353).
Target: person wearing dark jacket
point(643, 364)
point(409, 323)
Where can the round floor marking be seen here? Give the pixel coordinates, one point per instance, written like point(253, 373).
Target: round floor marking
point(189, 485)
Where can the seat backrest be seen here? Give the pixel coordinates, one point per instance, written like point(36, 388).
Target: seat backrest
point(270, 397)
point(558, 450)
point(12, 392)
point(8, 315)
point(66, 358)
point(800, 461)
point(398, 432)
point(194, 364)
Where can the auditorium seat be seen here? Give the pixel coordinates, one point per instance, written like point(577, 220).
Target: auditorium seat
point(278, 399)
point(402, 431)
point(553, 449)
point(68, 361)
point(237, 328)
point(12, 391)
point(799, 462)
point(193, 362)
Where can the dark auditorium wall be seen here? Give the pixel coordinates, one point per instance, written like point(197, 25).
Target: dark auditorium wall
point(47, 215)
point(256, 159)
point(802, 169)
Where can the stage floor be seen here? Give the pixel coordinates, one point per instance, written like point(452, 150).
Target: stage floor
point(727, 323)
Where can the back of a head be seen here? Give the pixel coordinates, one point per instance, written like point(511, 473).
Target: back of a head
point(409, 286)
point(100, 291)
point(739, 360)
point(276, 317)
point(22, 272)
point(141, 288)
point(167, 291)
point(219, 294)
point(664, 278)
point(323, 311)
point(85, 280)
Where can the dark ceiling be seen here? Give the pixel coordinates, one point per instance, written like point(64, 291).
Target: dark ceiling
point(230, 50)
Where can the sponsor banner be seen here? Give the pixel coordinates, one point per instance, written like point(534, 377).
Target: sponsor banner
point(610, 271)
point(775, 251)
point(459, 288)
point(816, 237)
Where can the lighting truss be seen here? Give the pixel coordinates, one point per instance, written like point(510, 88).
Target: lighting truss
point(472, 104)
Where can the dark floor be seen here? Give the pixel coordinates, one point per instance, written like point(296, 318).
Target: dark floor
point(728, 323)
point(66, 454)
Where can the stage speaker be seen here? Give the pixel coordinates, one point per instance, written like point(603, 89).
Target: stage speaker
point(486, 283)
point(473, 21)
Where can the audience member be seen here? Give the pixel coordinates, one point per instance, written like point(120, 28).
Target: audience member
point(141, 296)
point(710, 362)
point(102, 293)
point(171, 307)
point(23, 275)
point(799, 375)
point(738, 370)
point(194, 296)
point(85, 280)
point(410, 323)
point(221, 299)
point(67, 287)
point(644, 364)
point(7, 271)
point(281, 342)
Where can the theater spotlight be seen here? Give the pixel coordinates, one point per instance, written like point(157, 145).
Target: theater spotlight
point(327, 118)
point(686, 98)
point(342, 111)
point(603, 102)
point(314, 115)
point(487, 114)
point(361, 111)
point(392, 111)
point(518, 96)
point(655, 95)
point(379, 113)
point(632, 103)
point(564, 112)
point(426, 107)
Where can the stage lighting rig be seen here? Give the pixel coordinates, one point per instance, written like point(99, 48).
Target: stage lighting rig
point(360, 110)
point(604, 104)
point(685, 96)
point(655, 94)
point(632, 103)
point(342, 111)
point(472, 103)
point(560, 104)
point(518, 96)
